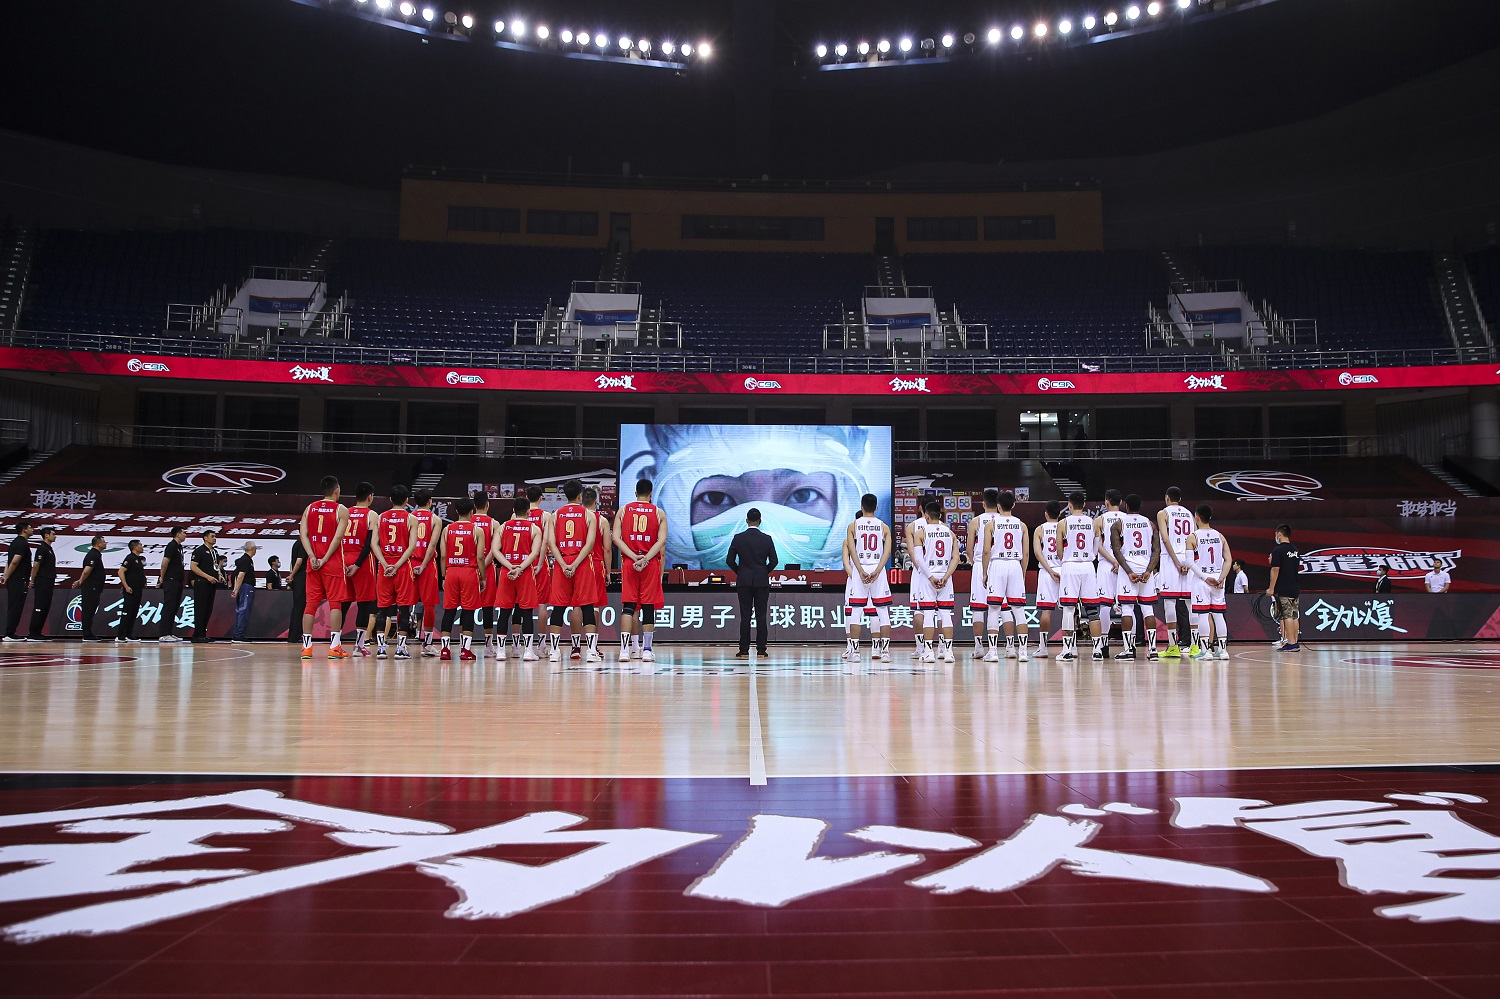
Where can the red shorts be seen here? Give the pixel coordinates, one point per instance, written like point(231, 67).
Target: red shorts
point(461, 589)
point(519, 592)
point(642, 588)
point(328, 583)
point(574, 592)
point(601, 595)
point(362, 583)
point(399, 590)
point(543, 582)
point(427, 587)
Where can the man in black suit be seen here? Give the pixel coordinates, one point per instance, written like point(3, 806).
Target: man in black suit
point(752, 556)
point(1382, 580)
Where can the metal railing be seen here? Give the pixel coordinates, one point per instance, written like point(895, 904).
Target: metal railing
point(273, 273)
point(607, 287)
point(1209, 286)
point(898, 291)
point(210, 439)
point(211, 319)
point(14, 430)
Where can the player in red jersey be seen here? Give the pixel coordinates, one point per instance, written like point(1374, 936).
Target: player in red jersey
point(323, 526)
point(641, 535)
point(542, 567)
point(516, 548)
point(424, 571)
point(359, 565)
point(463, 557)
point(599, 560)
point(395, 589)
point(573, 534)
point(485, 523)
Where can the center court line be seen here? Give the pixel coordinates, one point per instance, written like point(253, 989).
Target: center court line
point(757, 747)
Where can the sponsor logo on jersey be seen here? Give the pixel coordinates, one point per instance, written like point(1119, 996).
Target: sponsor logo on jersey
point(1362, 562)
point(220, 477)
point(1261, 484)
point(1205, 382)
point(454, 378)
point(135, 364)
point(321, 373)
point(751, 384)
point(909, 385)
point(615, 382)
point(1048, 384)
point(1349, 378)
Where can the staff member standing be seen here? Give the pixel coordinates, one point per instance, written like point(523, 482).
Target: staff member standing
point(243, 591)
point(752, 556)
point(206, 580)
point(171, 585)
point(133, 583)
point(273, 573)
point(1382, 579)
point(1285, 590)
point(92, 585)
point(296, 578)
point(1241, 581)
point(16, 576)
point(43, 581)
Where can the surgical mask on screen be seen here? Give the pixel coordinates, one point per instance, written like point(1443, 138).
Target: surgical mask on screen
point(799, 537)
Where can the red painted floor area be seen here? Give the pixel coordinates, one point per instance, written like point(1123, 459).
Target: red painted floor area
point(711, 916)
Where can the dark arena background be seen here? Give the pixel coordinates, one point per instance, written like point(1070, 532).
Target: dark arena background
point(774, 254)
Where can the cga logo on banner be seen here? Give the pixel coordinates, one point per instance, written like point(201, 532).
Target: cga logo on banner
point(751, 384)
point(1205, 381)
point(909, 385)
point(1362, 563)
point(75, 614)
point(220, 477)
point(454, 378)
point(616, 382)
point(136, 364)
point(1349, 378)
point(321, 373)
point(1259, 484)
point(1048, 384)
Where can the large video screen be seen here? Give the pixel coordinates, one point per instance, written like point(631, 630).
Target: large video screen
point(806, 482)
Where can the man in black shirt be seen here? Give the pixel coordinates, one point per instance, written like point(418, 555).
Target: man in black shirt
point(171, 585)
point(16, 575)
point(43, 580)
point(1382, 579)
point(1285, 589)
point(206, 580)
point(133, 585)
point(243, 590)
point(296, 578)
point(92, 585)
point(273, 573)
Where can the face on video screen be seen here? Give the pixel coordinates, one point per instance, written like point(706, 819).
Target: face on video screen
point(805, 481)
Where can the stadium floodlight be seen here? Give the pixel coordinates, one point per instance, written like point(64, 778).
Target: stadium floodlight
point(1184, 4)
point(1111, 18)
point(601, 41)
point(467, 21)
point(821, 50)
point(1064, 26)
point(429, 15)
point(669, 48)
point(644, 45)
point(1089, 22)
point(704, 51)
point(993, 36)
point(584, 38)
point(947, 41)
point(968, 38)
point(1017, 32)
point(864, 48)
point(928, 45)
point(687, 49)
point(904, 45)
point(1132, 12)
point(884, 46)
point(1041, 30)
point(1153, 8)
point(408, 8)
point(518, 28)
point(543, 32)
point(383, 4)
point(625, 44)
point(841, 50)
point(565, 36)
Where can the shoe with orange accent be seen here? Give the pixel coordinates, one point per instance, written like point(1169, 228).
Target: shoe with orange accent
point(307, 653)
point(338, 653)
point(466, 656)
point(445, 655)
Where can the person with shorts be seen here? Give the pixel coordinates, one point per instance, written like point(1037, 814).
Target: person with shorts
point(641, 535)
point(573, 536)
point(462, 552)
point(1138, 555)
point(484, 526)
point(1048, 572)
point(1004, 556)
point(359, 565)
point(867, 549)
point(1285, 590)
point(1174, 525)
point(424, 568)
point(542, 568)
point(932, 582)
point(1107, 575)
point(978, 589)
point(516, 548)
point(1078, 590)
point(599, 560)
point(1211, 560)
point(322, 528)
point(395, 587)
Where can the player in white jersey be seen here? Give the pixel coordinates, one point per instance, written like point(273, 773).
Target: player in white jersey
point(1005, 581)
point(932, 582)
point(1174, 525)
point(867, 549)
point(1048, 571)
point(1133, 541)
point(978, 594)
point(1077, 545)
point(1211, 560)
point(914, 558)
point(1107, 576)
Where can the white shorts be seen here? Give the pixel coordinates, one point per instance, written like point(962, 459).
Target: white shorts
point(924, 598)
point(1107, 580)
point(1174, 585)
point(1206, 599)
point(1078, 585)
point(978, 591)
point(1143, 593)
point(860, 595)
point(1005, 583)
point(1046, 589)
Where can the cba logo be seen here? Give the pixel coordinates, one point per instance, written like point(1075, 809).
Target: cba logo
point(454, 378)
point(751, 384)
point(1260, 484)
point(1048, 384)
point(220, 477)
point(1347, 378)
point(135, 364)
point(74, 614)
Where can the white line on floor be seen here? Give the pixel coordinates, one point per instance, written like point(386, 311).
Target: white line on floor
point(757, 747)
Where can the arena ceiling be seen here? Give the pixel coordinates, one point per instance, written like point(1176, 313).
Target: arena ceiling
point(318, 90)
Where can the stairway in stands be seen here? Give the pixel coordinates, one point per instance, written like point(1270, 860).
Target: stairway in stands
point(1452, 481)
point(1466, 325)
point(16, 471)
